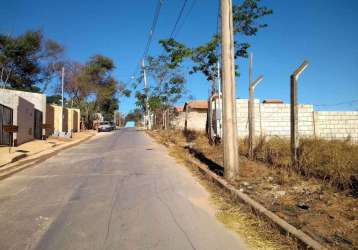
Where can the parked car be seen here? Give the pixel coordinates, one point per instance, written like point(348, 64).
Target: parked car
point(105, 127)
point(113, 125)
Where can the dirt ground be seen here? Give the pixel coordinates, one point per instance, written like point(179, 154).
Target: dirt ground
point(324, 212)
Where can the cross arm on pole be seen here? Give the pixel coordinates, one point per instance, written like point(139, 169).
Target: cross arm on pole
point(256, 82)
point(300, 69)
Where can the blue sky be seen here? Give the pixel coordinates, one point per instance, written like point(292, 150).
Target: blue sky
point(323, 31)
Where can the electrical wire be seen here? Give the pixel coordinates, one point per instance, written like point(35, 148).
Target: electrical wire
point(178, 18)
point(150, 38)
point(191, 7)
point(351, 102)
point(153, 27)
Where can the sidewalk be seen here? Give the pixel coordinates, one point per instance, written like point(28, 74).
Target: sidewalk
point(32, 150)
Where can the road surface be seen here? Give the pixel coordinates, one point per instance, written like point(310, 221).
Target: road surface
point(119, 190)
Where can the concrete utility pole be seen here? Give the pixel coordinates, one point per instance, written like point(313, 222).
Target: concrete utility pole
point(231, 157)
point(146, 116)
point(219, 123)
point(251, 109)
point(294, 113)
point(62, 99)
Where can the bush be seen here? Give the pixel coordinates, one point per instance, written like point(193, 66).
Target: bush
point(336, 161)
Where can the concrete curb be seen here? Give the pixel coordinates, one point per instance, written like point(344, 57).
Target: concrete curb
point(285, 227)
point(12, 168)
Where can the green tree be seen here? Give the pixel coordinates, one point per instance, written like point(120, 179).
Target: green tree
point(54, 99)
point(135, 115)
point(29, 61)
point(169, 86)
point(204, 57)
point(93, 88)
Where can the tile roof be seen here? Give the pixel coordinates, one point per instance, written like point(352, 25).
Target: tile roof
point(198, 104)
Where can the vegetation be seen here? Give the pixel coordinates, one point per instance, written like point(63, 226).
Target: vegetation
point(330, 160)
point(29, 61)
point(321, 202)
point(166, 69)
point(135, 115)
point(204, 58)
point(93, 88)
point(168, 89)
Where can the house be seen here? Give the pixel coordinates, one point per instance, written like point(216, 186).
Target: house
point(195, 115)
point(26, 110)
point(70, 123)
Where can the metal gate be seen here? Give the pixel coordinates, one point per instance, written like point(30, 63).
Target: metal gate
point(5, 119)
point(38, 124)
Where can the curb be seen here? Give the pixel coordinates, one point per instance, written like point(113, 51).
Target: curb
point(260, 210)
point(12, 168)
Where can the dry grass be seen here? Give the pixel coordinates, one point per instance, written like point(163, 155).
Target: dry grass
point(257, 233)
point(323, 182)
point(333, 161)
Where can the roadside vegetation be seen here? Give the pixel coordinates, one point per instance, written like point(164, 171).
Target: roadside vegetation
point(257, 233)
point(320, 197)
point(333, 161)
point(31, 62)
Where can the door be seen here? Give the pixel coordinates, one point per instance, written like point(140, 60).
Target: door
point(38, 124)
point(5, 119)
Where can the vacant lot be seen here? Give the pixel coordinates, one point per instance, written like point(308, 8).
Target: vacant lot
point(319, 197)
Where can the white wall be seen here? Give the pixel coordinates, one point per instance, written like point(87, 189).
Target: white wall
point(274, 120)
point(337, 125)
point(23, 105)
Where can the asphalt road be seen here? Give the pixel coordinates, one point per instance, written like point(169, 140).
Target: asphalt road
point(120, 190)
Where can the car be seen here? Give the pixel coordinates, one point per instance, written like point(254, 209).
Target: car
point(113, 125)
point(105, 127)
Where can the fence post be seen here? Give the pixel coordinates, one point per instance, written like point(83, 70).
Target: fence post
point(251, 113)
point(294, 112)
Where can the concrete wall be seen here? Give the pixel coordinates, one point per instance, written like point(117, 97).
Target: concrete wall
point(179, 121)
point(196, 119)
point(71, 122)
point(25, 121)
point(23, 105)
point(336, 125)
point(274, 120)
point(72, 119)
point(53, 118)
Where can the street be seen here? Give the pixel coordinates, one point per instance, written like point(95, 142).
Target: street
point(120, 190)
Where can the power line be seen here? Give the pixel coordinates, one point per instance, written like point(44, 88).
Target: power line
point(178, 18)
point(150, 38)
point(351, 102)
point(153, 27)
point(191, 7)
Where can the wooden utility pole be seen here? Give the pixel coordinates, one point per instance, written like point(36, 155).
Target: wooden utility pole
point(231, 157)
point(294, 113)
point(251, 109)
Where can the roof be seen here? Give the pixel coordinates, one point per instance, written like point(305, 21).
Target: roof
point(272, 101)
point(197, 104)
point(179, 108)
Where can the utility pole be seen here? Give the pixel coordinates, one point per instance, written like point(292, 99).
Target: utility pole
point(219, 123)
point(62, 99)
point(251, 108)
point(146, 116)
point(294, 112)
point(231, 157)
